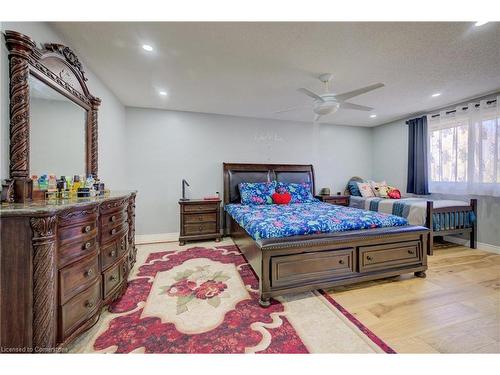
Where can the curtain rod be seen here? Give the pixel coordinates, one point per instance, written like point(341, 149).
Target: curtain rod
point(465, 107)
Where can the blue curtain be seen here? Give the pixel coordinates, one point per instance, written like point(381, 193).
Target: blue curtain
point(417, 182)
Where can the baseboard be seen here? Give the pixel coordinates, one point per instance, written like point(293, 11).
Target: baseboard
point(142, 239)
point(480, 245)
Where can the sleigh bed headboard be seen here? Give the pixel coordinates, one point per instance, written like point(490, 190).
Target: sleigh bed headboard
point(235, 173)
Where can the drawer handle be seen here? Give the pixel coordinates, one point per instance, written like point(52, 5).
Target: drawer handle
point(200, 218)
point(89, 273)
point(200, 228)
point(113, 253)
point(341, 261)
point(87, 228)
point(87, 245)
point(113, 231)
point(411, 252)
point(369, 258)
point(89, 304)
point(113, 278)
point(113, 218)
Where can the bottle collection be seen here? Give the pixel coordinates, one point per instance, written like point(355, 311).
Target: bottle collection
point(49, 187)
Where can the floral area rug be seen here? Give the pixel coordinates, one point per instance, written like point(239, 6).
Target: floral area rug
point(204, 299)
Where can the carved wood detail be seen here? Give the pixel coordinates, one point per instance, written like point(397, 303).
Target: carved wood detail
point(68, 54)
point(131, 230)
point(19, 117)
point(44, 281)
point(71, 214)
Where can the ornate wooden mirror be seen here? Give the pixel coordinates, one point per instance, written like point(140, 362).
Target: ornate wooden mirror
point(47, 91)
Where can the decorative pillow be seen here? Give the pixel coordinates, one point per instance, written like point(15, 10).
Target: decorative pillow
point(301, 193)
point(366, 189)
point(257, 192)
point(381, 191)
point(281, 198)
point(394, 193)
point(353, 188)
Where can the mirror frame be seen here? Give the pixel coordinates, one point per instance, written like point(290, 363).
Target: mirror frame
point(58, 67)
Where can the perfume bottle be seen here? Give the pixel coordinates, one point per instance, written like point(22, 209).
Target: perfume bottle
point(34, 178)
point(52, 184)
point(76, 182)
point(43, 182)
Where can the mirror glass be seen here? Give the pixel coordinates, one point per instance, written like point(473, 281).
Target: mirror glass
point(57, 132)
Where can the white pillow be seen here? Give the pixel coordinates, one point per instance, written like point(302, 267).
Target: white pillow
point(376, 187)
point(366, 189)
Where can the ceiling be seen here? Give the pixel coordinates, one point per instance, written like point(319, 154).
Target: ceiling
point(254, 69)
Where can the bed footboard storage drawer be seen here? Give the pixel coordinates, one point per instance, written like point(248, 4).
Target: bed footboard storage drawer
point(381, 257)
point(298, 268)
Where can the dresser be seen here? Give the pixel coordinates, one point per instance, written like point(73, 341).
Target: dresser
point(60, 264)
point(341, 200)
point(199, 220)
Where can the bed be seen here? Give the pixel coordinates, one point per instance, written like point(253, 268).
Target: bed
point(442, 217)
point(342, 246)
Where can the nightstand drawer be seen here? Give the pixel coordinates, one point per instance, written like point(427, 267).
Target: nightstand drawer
point(200, 218)
point(341, 201)
point(202, 228)
point(202, 207)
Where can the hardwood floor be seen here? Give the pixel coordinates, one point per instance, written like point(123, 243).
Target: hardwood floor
point(456, 309)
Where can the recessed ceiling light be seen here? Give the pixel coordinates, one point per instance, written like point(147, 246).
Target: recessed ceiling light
point(373, 116)
point(480, 23)
point(163, 93)
point(147, 47)
point(436, 94)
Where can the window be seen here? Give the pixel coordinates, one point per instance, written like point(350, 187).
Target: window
point(464, 148)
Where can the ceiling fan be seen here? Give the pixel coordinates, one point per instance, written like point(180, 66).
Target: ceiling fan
point(329, 102)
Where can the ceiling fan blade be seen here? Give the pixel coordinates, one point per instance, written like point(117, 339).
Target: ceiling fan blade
point(352, 94)
point(310, 93)
point(358, 107)
point(316, 118)
point(293, 108)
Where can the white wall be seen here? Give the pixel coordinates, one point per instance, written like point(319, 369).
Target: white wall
point(166, 146)
point(112, 152)
point(390, 155)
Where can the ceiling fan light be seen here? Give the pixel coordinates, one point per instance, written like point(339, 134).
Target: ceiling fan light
point(325, 108)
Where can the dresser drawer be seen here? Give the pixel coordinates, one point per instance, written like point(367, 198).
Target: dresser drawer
point(200, 218)
point(77, 276)
point(311, 267)
point(112, 278)
point(78, 232)
point(79, 309)
point(201, 207)
point(398, 254)
point(84, 247)
point(113, 218)
point(113, 233)
point(190, 229)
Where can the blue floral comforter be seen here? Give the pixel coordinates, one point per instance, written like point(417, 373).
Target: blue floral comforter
point(274, 221)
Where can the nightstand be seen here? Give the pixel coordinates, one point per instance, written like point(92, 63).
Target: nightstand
point(341, 200)
point(200, 220)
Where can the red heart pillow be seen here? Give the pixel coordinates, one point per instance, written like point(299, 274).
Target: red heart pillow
point(394, 194)
point(281, 198)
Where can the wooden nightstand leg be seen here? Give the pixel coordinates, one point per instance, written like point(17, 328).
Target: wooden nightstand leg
point(181, 243)
point(217, 239)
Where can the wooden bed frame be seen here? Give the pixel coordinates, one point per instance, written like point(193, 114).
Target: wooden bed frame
point(457, 227)
point(308, 262)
